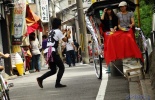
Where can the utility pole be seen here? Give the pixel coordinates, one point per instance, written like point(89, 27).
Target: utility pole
point(138, 12)
point(51, 12)
point(53, 8)
point(83, 32)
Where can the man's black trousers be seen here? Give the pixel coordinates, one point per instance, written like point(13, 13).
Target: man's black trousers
point(57, 62)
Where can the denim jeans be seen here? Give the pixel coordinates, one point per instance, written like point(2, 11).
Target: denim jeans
point(70, 57)
point(36, 62)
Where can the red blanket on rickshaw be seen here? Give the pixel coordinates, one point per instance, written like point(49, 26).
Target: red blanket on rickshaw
point(120, 45)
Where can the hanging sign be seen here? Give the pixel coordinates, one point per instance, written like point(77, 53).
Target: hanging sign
point(44, 10)
point(18, 21)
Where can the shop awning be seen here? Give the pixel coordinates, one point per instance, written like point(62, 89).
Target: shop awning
point(32, 20)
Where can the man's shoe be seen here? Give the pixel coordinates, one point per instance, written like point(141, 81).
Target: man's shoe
point(40, 82)
point(60, 86)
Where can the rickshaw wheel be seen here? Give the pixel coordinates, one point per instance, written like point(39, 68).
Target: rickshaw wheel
point(98, 66)
point(146, 62)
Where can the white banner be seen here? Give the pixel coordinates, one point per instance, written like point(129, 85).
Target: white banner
point(44, 10)
point(18, 21)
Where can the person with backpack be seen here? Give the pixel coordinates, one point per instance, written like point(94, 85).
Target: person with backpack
point(53, 58)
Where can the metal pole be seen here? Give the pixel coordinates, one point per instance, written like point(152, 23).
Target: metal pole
point(6, 44)
point(85, 56)
point(77, 30)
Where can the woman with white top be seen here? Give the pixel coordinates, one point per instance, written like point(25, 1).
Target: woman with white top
point(70, 52)
point(35, 52)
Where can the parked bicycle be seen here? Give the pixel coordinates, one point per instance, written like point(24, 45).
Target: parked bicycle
point(4, 87)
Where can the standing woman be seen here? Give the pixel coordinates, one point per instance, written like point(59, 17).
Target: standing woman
point(109, 20)
point(126, 18)
point(70, 50)
point(35, 52)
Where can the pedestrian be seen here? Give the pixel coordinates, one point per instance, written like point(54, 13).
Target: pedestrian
point(27, 55)
point(76, 50)
point(34, 47)
point(63, 47)
point(90, 48)
point(44, 45)
point(53, 58)
point(44, 42)
point(70, 52)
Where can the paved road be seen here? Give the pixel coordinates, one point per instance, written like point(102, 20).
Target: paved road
point(81, 82)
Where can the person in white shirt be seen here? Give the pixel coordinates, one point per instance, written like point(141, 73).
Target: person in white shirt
point(34, 45)
point(53, 58)
point(70, 52)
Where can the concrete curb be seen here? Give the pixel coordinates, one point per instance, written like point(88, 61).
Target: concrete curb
point(147, 90)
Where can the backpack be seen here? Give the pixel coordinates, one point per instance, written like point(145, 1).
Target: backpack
point(51, 39)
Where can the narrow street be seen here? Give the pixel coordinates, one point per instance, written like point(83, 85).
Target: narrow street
point(81, 82)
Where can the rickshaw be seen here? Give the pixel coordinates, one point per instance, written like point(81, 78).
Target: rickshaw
point(93, 23)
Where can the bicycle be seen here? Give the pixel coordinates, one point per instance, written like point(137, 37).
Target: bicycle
point(142, 43)
point(4, 88)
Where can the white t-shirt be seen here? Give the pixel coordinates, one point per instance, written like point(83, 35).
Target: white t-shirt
point(35, 47)
point(69, 45)
point(58, 36)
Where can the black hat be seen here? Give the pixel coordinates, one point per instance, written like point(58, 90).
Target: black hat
point(109, 7)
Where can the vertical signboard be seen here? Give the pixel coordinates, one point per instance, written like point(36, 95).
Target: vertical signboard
point(44, 11)
point(18, 21)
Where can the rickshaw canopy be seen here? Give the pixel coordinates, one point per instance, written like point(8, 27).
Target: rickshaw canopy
point(97, 6)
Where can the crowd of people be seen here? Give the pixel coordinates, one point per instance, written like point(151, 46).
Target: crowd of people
point(70, 51)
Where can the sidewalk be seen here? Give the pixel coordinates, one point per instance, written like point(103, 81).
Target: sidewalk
point(119, 88)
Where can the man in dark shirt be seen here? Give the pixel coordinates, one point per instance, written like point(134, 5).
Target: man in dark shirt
point(44, 43)
point(76, 51)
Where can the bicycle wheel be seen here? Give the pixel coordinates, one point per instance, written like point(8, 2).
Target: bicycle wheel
point(4, 95)
point(98, 66)
point(146, 61)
